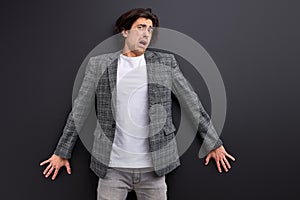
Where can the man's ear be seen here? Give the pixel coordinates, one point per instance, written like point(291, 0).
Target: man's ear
point(125, 33)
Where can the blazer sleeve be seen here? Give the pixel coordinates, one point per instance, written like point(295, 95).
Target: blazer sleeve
point(80, 110)
point(191, 104)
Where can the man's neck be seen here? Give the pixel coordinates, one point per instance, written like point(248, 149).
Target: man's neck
point(132, 53)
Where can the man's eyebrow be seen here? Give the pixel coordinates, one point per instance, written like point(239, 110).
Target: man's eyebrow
point(144, 25)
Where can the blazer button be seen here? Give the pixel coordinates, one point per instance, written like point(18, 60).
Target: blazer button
point(113, 125)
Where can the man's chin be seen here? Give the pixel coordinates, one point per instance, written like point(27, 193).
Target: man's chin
point(139, 51)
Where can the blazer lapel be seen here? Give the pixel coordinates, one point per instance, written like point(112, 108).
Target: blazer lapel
point(112, 76)
point(149, 64)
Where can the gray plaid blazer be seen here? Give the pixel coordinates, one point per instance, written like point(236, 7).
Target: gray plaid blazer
point(98, 91)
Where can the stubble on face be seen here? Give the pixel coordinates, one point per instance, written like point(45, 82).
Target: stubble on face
point(137, 41)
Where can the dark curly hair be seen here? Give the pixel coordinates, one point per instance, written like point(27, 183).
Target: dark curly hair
point(126, 20)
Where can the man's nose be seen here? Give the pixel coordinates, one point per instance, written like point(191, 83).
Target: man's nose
point(146, 33)
point(146, 36)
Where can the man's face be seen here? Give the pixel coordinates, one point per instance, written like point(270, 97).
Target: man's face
point(137, 39)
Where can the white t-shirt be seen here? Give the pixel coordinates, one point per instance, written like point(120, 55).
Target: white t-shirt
point(130, 148)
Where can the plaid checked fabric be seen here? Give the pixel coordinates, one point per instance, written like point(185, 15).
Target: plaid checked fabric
point(98, 91)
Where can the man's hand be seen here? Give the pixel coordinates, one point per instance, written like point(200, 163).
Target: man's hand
point(55, 163)
point(220, 154)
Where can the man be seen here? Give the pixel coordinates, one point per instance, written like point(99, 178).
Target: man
point(134, 144)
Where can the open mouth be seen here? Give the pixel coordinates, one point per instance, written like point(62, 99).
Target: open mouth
point(143, 43)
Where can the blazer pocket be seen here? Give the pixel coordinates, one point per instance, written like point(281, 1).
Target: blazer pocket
point(169, 129)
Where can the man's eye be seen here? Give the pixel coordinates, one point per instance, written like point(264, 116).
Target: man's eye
point(151, 30)
point(140, 27)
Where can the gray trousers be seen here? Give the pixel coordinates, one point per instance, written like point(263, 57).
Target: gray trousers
point(119, 181)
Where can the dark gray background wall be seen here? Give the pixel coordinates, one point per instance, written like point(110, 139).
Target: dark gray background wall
point(255, 45)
